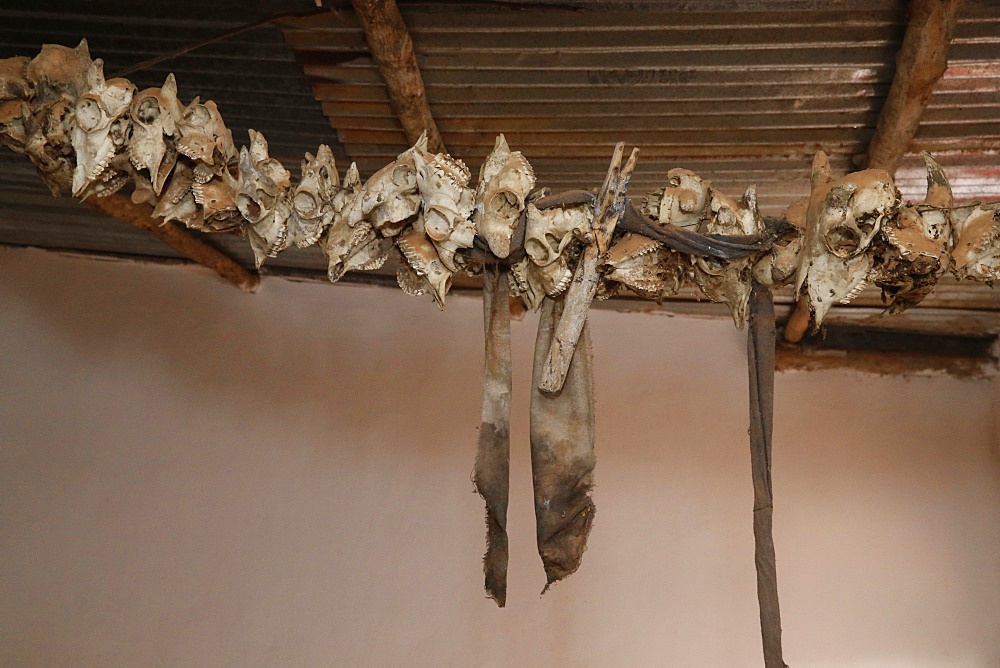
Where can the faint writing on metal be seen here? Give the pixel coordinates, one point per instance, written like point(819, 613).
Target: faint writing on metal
point(632, 77)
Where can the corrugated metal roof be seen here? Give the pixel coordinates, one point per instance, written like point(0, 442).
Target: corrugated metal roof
point(741, 92)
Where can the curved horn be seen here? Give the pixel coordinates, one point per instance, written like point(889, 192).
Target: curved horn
point(938, 188)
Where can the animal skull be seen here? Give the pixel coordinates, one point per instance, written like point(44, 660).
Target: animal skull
point(505, 179)
point(682, 202)
point(217, 198)
point(389, 199)
point(311, 201)
point(977, 244)
point(101, 127)
point(549, 231)
point(637, 262)
point(263, 199)
point(778, 266)
point(728, 282)
point(58, 71)
point(351, 248)
point(154, 113)
point(842, 219)
point(917, 244)
point(447, 204)
point(177, 201)
point(532, 283)
point(204, 136)
point(423, 258)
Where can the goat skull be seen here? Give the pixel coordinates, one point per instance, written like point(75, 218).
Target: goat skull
point(842, 219)
point(505, 179)
point(101, 127)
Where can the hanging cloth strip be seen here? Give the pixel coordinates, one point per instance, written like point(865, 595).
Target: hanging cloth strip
point(492, 472)
point(562, 451)
point(760, 358)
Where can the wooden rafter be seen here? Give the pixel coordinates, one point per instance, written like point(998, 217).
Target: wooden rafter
point(140, 216)
point(920, 63)
point(392, 47)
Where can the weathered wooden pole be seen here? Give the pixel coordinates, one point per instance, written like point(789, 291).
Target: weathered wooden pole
point(390, 44)
point(141, 216)
point(920, 63)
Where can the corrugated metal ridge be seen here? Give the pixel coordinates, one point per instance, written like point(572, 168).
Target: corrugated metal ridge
point(722, 90)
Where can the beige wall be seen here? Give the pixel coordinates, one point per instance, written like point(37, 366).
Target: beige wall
point(192, 476)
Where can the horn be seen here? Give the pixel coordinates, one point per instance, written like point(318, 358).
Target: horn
point(938, 188)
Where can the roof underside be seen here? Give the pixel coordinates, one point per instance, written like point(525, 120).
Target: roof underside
point(741, 92)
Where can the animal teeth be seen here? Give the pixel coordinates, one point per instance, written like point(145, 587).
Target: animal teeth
point(561, 286)
point(374, 263)
point(411, 255)
point(855, 292)
point(114, 186)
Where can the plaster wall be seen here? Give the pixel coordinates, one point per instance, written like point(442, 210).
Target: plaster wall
point(191, 476)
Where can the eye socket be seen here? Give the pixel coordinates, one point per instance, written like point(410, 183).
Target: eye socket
point(843, 241)
point(88, 114)
point(503, 204)
point(148, 110)
point(404, 176)
point(197, 114)
point(249, 208)
point(305, 202)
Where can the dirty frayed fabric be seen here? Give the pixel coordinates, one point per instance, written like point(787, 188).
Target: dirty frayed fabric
point(492, 472)
point(562, 452)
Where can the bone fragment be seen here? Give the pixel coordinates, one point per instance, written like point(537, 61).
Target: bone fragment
point(609, 207)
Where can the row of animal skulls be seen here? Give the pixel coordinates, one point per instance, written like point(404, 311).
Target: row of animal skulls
point(182, 159)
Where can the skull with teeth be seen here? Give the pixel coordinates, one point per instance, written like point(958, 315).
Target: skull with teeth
point(505, 179)
point(548, 233)
point(155, 113)
point(447, 204)
point(842, 219)
point(641, 265)
point(347, 247)
point(389, 199)
point(423, 259)
point(204, 136)
point(916, 244)
point(263, 199)
point(102, 125)
point(177, 201)
point(217, 198)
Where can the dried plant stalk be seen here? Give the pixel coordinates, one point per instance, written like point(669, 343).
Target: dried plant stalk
point(562, 452)
point(492, 473)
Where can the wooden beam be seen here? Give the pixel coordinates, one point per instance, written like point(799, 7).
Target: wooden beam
point(140, 216)
point(390, 44)
point(919, 64)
